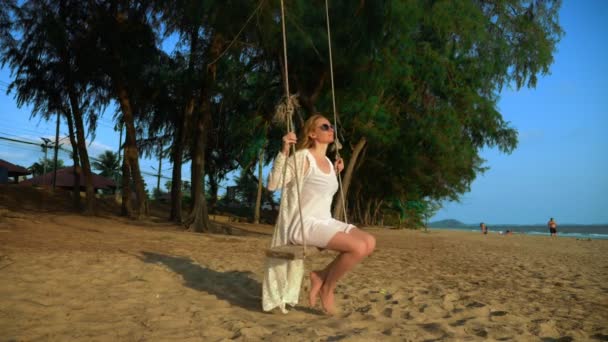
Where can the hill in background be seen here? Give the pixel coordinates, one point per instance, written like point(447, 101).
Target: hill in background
point(448, 224)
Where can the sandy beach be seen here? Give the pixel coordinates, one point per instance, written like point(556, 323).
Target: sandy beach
point(68, 277)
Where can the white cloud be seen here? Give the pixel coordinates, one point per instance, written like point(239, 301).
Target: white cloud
point(95, 149)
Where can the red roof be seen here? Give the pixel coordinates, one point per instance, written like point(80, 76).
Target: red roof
point(14, 170)
point(65, 179)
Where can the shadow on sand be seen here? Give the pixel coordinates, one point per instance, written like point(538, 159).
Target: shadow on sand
point(235, 287)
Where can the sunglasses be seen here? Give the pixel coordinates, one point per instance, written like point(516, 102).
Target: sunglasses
point(326, 127)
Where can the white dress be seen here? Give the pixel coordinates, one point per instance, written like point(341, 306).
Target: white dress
point(283, 278)
point(315, 199)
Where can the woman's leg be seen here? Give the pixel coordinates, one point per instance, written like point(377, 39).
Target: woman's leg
point(316, 281)
point(369, 239)
point(354, 246)
point(317, 278)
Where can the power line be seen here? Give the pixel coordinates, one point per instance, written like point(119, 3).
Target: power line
point(20, 137)
point(20, 144)
point(19, 141)
point(29, 146)
point(10, 145)
point(27, 130)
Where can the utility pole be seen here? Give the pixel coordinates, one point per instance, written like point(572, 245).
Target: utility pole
point(47, 143)
point(160, 165)
point(258, 199)
point(119, 186)
point(56, 152)
point(119, 141)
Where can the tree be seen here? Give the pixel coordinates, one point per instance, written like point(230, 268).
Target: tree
point(418, 91)
point(204, 30)
point(444, 100)
point(108, 164)
point(246, 189)
point(416, 83)
point(46, 72)
point(121, 49)
point(39, 167)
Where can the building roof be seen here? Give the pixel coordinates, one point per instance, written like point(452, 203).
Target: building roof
point(14, 170)
point(65, 179)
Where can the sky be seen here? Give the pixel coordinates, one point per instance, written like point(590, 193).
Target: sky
point(559, 169)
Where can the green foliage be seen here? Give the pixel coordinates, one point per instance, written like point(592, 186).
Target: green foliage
point(186, 187)
point(109, 165)
point(246, 189)
point(39, 167)
point(419, 80)
point(427, 101)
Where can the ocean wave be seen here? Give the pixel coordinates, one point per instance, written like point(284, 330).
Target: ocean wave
point(578, 235)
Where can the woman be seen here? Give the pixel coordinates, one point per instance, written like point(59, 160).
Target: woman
point(316, 182)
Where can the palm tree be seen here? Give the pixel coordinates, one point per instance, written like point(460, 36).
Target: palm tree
point(45, 164)
point(108, 164)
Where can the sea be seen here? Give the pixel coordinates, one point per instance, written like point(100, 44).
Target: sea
point(599, 231)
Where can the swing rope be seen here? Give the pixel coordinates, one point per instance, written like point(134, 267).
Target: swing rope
point(333, 101)
point(290, 110)
point(286, 111)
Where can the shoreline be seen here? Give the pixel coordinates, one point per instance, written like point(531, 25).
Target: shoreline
point(583, 236)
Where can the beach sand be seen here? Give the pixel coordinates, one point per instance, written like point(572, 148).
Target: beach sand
point(68, 277)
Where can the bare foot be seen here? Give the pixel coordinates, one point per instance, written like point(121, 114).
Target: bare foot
point(316, 281)
point(327, 300)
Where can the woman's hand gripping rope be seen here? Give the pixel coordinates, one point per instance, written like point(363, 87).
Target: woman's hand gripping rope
point(288, 140)
point(339, 165)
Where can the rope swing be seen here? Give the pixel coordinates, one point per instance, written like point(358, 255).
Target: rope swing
point(284, 113)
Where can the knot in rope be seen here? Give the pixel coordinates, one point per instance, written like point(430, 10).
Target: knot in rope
point(283, 112)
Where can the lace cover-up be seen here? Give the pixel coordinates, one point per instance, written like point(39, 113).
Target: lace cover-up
point(283, 278)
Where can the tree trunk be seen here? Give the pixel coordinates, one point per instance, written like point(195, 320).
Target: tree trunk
point(368, 210)
point(84, 156)
point(377, 207)
point(357, 215)
point(200, 215)
point(178, 156)
point(176, 178)
point(73, 115)
point(126, 208)
point(180, 139)
point(199, 218)
point(130, 151)
point(258, 199)
point(213, 187)
point(176, 191)
point(76, 188)
point(339, 208)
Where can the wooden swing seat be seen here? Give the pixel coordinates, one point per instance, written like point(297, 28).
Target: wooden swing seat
point(292, 252)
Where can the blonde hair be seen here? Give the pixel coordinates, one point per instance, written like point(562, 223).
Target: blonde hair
point(309, 126)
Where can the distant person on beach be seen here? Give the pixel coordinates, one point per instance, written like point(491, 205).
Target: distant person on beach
point(314, 182)
point(552, 227)
point(484, 228)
